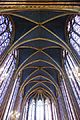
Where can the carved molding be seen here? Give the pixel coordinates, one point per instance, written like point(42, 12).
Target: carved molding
point(11, 6)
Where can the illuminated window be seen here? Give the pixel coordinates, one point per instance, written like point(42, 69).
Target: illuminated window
point(5, 32)
point(72, 73)
point(74, 33)
point(6, 72)
point(39, 108)
point(68, 104)
point(48, 115)
point(25, 111)
point(31, 114)
point(8, 66)
point(11, 101)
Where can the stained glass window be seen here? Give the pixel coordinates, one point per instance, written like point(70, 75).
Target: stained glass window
point(11, 100)
point(48, 115)
point(25, 111)
point(31, 114)
point(54, 112)
point(68, 104)
point(74, 32)
point(5, 32)
point(39, 108)
point(6, 72)
point(73, 75)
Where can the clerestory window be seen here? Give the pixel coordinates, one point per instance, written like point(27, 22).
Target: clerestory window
point(73, 30)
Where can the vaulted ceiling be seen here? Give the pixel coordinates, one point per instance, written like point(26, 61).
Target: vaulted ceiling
point(40, 39)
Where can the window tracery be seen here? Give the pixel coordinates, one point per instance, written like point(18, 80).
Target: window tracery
point(73, 74)
point(11, 101)
point(67, 101)
point(73, 29)
point(6, 72)
point(6, 30)
point(39, 108)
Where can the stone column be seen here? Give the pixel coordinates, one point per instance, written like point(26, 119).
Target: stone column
point(18, 101)
point(58, 111)
point(17, 106)
point(63, 112)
